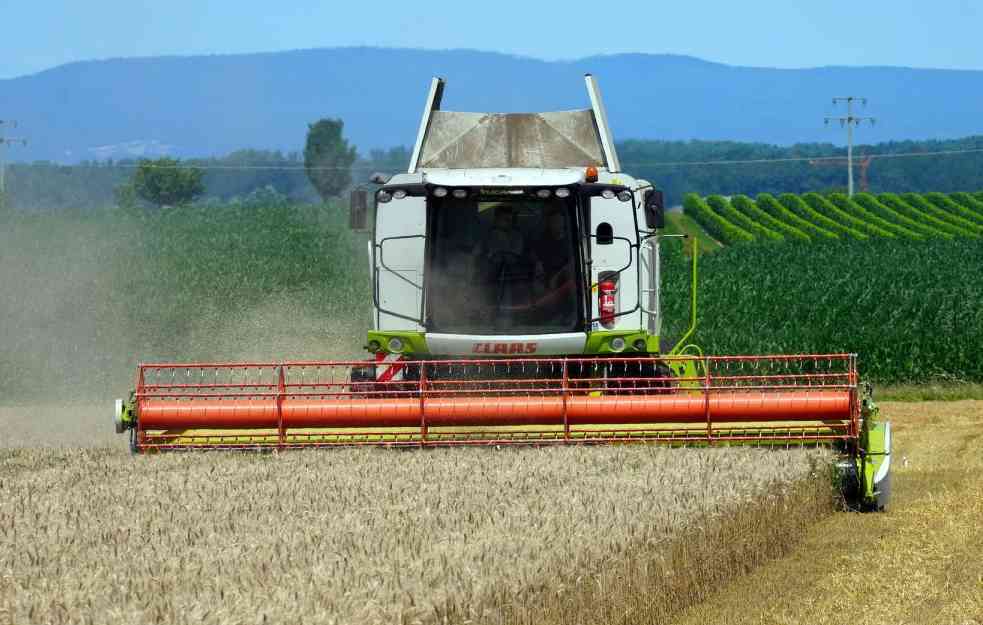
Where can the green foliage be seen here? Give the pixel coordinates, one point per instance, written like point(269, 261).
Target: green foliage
point(968, 201)
point(724, 208)
point(822, 205)
point(847, 205)
point(718, 227)
point(770, 205)
point(165, 182)
point(328, 158)
point(870, 203)
point(239, 173)
point(908, 308)
point(126, 196)
point(803, 211)
point(927, 214)
point(746, 206)
point(954, 216)
point(955, 208)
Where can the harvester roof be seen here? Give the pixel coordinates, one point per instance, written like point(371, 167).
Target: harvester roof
point(548, 140)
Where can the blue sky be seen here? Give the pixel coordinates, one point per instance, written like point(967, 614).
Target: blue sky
point(917, 33)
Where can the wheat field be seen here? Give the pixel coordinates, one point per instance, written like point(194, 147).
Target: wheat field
point(381, 536)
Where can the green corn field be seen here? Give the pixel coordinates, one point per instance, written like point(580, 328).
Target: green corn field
point(896, 279)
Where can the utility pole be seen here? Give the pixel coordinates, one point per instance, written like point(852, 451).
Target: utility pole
point(4, 142)
point(850, 120)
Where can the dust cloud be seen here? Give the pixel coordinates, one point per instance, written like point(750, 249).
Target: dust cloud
point(82, 303)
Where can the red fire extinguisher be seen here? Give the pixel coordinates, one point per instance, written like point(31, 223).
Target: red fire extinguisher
point(606, 291)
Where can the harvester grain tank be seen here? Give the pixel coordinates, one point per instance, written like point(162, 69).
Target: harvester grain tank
point(515, 285)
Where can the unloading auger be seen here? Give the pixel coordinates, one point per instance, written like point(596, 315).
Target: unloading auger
point(516, 301)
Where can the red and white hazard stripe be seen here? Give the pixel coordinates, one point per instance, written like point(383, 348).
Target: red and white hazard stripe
point(389, 367)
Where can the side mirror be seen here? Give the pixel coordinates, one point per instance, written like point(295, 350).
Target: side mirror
point(655, 212)
point(604, 233)
point(358, 207)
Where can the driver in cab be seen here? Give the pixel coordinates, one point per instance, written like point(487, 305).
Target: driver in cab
point(503, 245)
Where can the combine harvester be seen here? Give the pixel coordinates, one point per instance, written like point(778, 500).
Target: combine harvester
point(515, 284)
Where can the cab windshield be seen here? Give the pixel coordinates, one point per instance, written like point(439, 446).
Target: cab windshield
point(503, 265)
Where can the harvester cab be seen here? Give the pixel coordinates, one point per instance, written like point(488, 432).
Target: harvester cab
point(515, 235)
point(515, 283)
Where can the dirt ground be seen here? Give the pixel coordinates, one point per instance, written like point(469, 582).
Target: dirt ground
point(919, 563)
point(59, 425)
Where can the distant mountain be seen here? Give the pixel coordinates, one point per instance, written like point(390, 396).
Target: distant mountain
point(212, 105)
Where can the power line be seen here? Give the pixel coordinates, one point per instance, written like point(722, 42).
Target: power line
point(751, 161)
point(799, 159)
point(849, 121)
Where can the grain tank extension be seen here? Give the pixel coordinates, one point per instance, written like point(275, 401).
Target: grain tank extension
point(515, 285)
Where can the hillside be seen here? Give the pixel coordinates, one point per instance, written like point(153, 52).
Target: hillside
point(212, 105)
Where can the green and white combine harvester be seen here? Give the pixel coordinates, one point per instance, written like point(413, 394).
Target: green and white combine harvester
point(515, 284)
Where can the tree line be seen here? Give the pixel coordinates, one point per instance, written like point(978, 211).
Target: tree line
point(328, 166)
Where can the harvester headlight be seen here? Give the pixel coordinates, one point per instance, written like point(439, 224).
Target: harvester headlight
point(639, 345)
point(624, 196)
point(543, 193)
point(460, 193)
point(563, 192)
point(395, 343)
point(383, 196)
point(440, 192)
point(399, 194)
point(607, 194)
point(374, 346)
point(617, 344)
